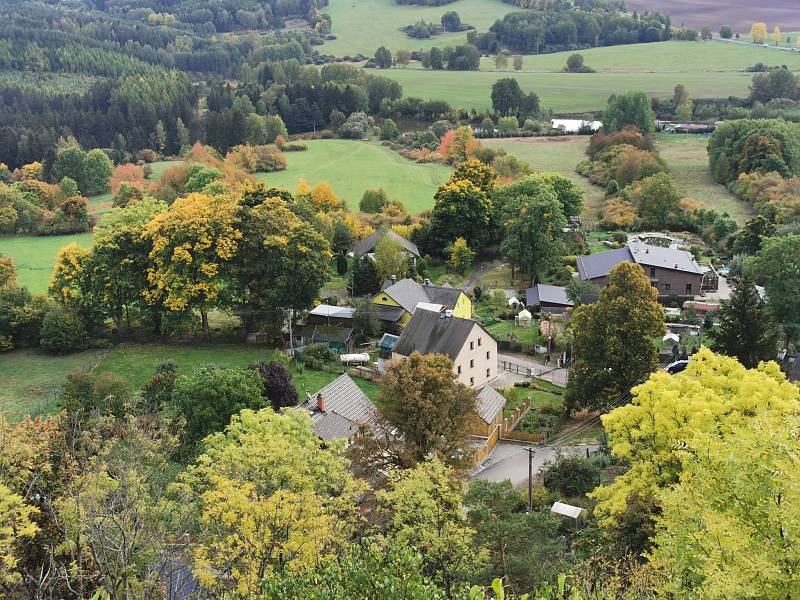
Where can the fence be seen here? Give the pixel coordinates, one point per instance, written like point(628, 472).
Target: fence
point(45, 405)
point(510, 422)
point(554, 375)
point(480, 455)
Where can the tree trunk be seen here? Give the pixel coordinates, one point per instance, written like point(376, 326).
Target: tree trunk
point(204, 318)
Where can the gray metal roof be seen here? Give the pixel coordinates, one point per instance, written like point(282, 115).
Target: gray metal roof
point(323, 334)
point(599, 265)
point(333, 312)
point(442, 294)
point(433, 333)
point(664, 258)
point(407, 293)
point(367, 245)
point(553, 294)
point(490, 402)
point(391, 314)
point(347, 407)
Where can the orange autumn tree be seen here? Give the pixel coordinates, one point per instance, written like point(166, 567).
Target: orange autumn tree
point(128, 173)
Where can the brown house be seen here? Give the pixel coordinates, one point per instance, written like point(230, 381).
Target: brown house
point(672, 272)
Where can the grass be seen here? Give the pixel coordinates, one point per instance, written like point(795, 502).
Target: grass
point(708, 70)
point(31, 380)
point(34, 256)
point(157, 168)
point(525, 335)
point(352, 167)
point(136, 363)
point(364, 25)
point(687, 159)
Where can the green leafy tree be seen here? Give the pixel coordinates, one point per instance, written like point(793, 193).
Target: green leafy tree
point(480, 174)
point(656, 198)
point(70, 163)
point(507, 96)
point(579, 290)
point(571, 476)
point(726, 32)
point(451, 21)
point(501, 59)
point(461, 209)
point(383, 58)
point(613, 348)
point(97, 170)
point(629, 108)
point(517, 62)
point(365, 318)
point(745, 329)
point(748, 239)
point(63, 331)
point(389, 130)
point(777, 265)
point(423, 506)
point(461, 256)
point(436, 58)
point(364, 278)
point(391, 258)
point(373, 201)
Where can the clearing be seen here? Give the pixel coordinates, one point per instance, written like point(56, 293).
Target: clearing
point(365, 25)
point(34, 256)
point(352, 167)
point(655, 68)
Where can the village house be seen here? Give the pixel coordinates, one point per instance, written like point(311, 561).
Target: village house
point(339, 409)
point(672, 272)
point(471, 348)
point(367, 246)
point(399, 300)
point(551, 298)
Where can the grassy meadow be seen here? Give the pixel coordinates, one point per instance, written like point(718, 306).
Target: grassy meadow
point(354, 167)
point(34, 256)
point(708, 70)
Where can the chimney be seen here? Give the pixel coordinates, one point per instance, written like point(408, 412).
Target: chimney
point(647, 250)
point(394, 278)
point(448, 313)
point(676, 265)
point(427, 281)
point(321, 403)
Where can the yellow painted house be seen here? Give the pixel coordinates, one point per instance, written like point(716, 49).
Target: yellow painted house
point(399, 300)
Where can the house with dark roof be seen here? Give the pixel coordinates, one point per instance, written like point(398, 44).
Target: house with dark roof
point(671, 271)
point(552, 298)
point(368, 245)
point(339, 409)
point(471, 348)
point(407, 295)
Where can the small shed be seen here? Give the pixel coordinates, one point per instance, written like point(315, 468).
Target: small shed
point(524, 318)
point(513, 302)
point(386, 345)
point(671, 339)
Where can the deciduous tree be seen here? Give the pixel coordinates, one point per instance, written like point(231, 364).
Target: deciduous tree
point(777, 265)
point(461, 209)
point(391, 258)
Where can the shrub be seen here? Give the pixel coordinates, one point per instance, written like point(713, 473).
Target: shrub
point(86, 392)
point(62, 332)
point(570, 476)
point(317, 355)
point(373, 201)
point(356, 126)
point(257, 159)
point(278, 387)
point(618, 213)
point(128, 173)
point(157, 392)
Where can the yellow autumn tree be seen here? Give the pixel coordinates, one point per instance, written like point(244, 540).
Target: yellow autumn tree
point(65, 282)
point(324, 199)
point(668, 413)
point(192, 243)
point(759, 33)
point(16, 526)
point(776, 35)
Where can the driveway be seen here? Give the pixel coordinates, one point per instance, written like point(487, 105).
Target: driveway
point(549, 373)
point(509, 460)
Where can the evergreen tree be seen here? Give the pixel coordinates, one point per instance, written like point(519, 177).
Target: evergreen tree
point(364, 278)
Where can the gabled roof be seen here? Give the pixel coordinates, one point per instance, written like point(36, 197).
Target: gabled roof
point(599, 265)
point(390, 314)
point(324, 334)
point(434, 333)
point(552, 294)
point(332, 312)
point(490, 402)
point(409, 294)
point(664, 258)
point(368, 245)
point(347, 408)
point(442, 294)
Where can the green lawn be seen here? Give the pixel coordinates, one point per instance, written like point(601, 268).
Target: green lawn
point(364, 25)
point(559, 155)
point(34, 256)
point(136, 363)
point(32, 379)
point(709, 70)
point(352, 167)
point(687, 159)
point(525, 335)
point(157, 168)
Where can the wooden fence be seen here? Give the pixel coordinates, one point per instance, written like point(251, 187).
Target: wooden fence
point(480, 454)
point(510, 422)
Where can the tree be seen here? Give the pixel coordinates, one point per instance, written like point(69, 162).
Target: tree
point(523, 547)
point(507, 96)
point(402, 57)
point(748, 239)
point(451, 21)
point(777, 265)
point(423, 414)
point(423, 505)
point(373, 201)
point(684, 112)
point(17, 525)
point(278, 386)
point(383, 58)
point(97, 169)
point(759, 33)
point(209, 396)
point(656, 199)
point(613, 348)
point(480, 174)
point(571, 476)
point(366, 323)
point(282, 261)
point(274, 498)
point(517, 62)
point(629, 108)
point(774, 84)
point(580, 292)
point(744, 327)
point(8, 272)
point(706, 34)
point(575, 64)
point(776, 35)
point(364, 278)
point(436, 58)
point(680, 95)
point(192, 244)
point(658, 430)
point(389, 130)
point(726, 32)
point(343, 238)
point(461, 256)
point(461, 209)
point(501, 59)
point(70, 163)
point(391, 258)
point(63, 331)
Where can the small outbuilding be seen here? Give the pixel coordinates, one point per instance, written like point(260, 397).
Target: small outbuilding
point(524, 318)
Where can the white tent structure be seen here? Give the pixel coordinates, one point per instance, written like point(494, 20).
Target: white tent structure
point(524, 318)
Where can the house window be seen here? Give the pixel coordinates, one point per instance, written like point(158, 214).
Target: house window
point(472, 345)
point(652, 271)
point(688, 288)
point(487, 355)
point(479, 341)
point(472, 381)
point(488, 372)
point(666, 287)
point(471, 363)
point(459, 369)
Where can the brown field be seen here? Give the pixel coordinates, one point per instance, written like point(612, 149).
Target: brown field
point(739, 14)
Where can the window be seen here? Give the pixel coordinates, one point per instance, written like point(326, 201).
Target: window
point(472, 381)
point(471, 363)
point(487, 355)
point(472, 345)
point(488, 372)
point(652, 271)
point(479, 342)
point(666, 287)
point(688, 288)
point(459, 369)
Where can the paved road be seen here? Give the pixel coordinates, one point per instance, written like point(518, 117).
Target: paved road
point(547, 372)
point(510, 461)
point(754, 45)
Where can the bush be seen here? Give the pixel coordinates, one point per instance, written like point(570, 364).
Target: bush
point(157, 392)
point(373, 201)
point(320, 353)
point(62, 332)
point(278, 387)
point(570, 476)
point(86, 392)
point(356, 127)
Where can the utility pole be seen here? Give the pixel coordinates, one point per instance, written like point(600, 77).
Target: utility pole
point(531, 451)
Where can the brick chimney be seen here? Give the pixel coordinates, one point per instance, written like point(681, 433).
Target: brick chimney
point(321, 403)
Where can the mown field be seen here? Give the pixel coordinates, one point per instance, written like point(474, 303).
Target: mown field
point(34, 256)
point(365, 25)
point(353, 167)
point(708, 70)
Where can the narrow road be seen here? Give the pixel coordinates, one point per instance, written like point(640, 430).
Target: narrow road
point(510, 461)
